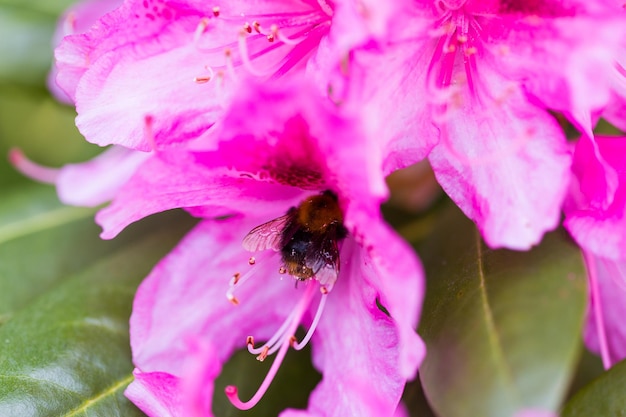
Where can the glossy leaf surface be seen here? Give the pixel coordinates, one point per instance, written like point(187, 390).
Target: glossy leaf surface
point(66, 298)
point(604, 397)
point(502, 328)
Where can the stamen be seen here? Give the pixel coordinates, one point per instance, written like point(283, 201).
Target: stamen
point(263, 354)
point(229, 63)
point(238, 279)
point(597, 309)
point(273, 341)
point(216, 11)
point(32, 170)
point(232, 299)
point(316, 319)
point(200, 29)
point(202, 80)
point(231, 390)
point(245, 58)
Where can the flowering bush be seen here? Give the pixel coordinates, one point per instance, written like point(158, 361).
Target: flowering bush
point(277, 122)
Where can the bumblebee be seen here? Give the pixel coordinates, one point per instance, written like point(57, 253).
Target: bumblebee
point(307, 237)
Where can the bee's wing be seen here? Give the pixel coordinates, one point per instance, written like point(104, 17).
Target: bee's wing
point(327, 275)
point(325, 262)
point(266, 236)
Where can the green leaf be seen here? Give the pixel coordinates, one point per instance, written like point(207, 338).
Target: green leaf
point(52, 8)
point(604, 397)
point(65, 302)
point(502, 328)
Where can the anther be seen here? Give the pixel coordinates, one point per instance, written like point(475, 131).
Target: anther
point(233, 299)
point(263, 354)
point(250, 341)
point(202, 80)
point(324, 290)
point(149, 130)
point(271, 37)
point(257, 26)
point(252, 261)
point(216, 11)
point(247, 27)
point(227, 52)
point(461, 38)
point(470, 51)
point(292, 341)
point(282, 270)
point(236, 277)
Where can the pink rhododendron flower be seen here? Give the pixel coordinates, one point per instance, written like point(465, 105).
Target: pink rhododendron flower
point(467, 84)
point(596, 218)
point(280, 148)
point(175, 62)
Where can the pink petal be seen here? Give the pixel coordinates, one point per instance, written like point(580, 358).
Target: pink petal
point(155, 393)
point(183, 300)
point(268, 153)
point(564, 68)
point(615, 112)
point(596, 178)
point(505, 163)
point(600, 229)
point(78, 18)
point(184, 326)
point(175, 180)
point(356, 348)
point(97, 181)
point(391, 92)
point(391, 267)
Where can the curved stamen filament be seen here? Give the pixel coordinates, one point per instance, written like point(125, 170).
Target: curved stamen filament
point(280, 333)
point(32, 170)
point(231, 390)
point(309, 334)
point(245, 58)
point(596, 304)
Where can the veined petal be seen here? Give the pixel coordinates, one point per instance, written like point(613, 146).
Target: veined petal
point(78, 18)
point(183, 300)
point(505, 163)
point(356, 349)
point(600, 229)
point(175, 180)
point(155, 393)
point(392, 268)
point(564, 68)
